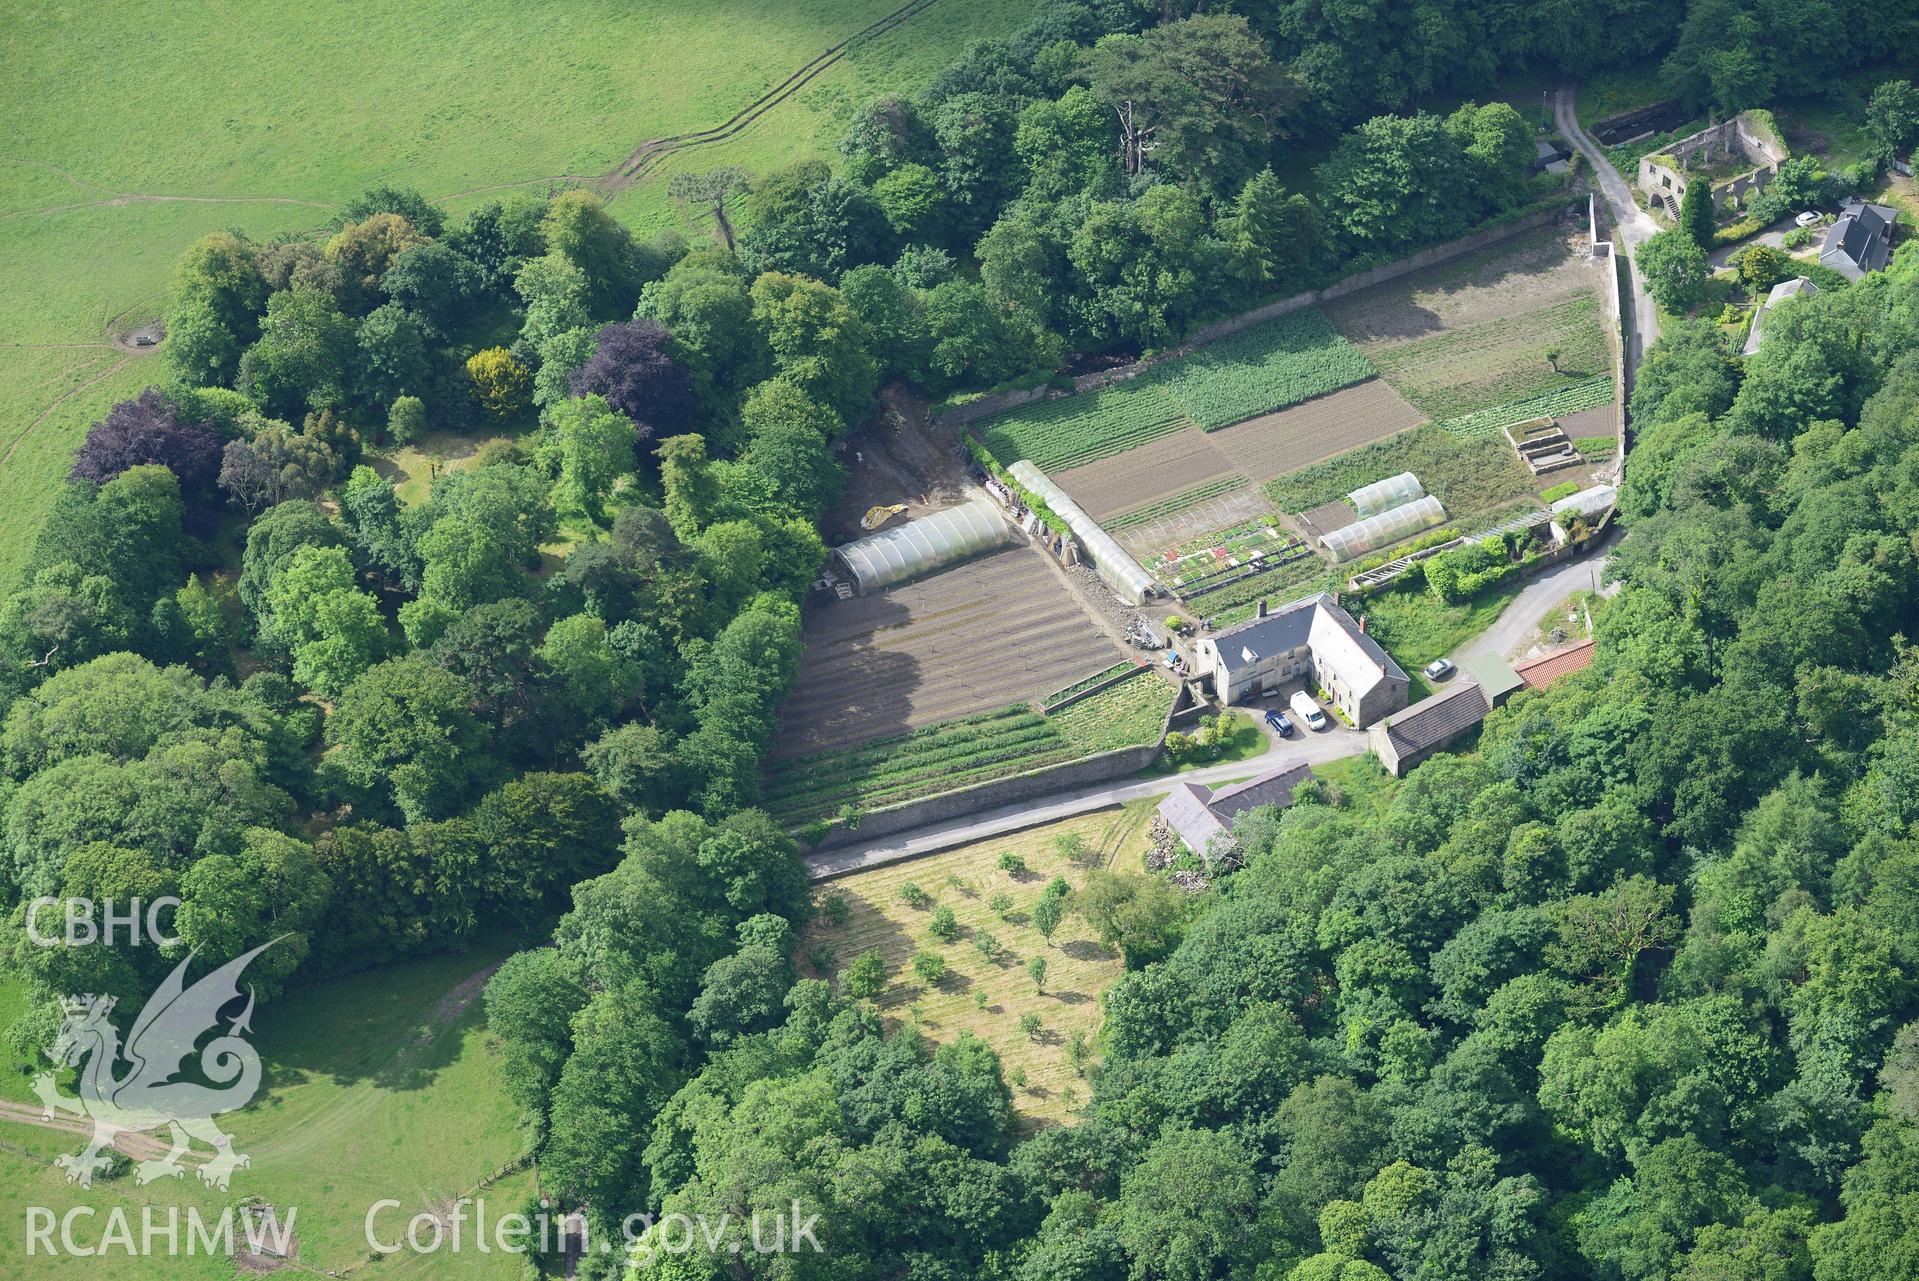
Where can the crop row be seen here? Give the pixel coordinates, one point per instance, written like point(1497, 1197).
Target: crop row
point(1056, 434)
point(787, 781)
point(1009, 747)
point(870, 791)
point(879, 748)
point(1086, 683)
point(1281, 583)
point(1269, 366)
point(1176, 503)
point(1570, 399)
point(1123, 716)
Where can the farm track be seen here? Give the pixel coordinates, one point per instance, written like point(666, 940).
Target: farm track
point(59, 400)
point(648, 154)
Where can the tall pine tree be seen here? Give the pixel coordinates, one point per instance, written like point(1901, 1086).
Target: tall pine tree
point(1696, 212)
point(1268, 232)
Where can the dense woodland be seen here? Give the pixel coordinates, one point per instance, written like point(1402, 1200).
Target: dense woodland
point(1627, 994)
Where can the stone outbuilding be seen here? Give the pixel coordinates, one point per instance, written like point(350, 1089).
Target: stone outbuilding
point(1203, 817)
point(1737, 157)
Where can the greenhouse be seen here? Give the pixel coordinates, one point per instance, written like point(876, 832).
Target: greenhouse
point(1384, 495)
point(923, 545)
point(1119, 571)
point(1587, 503)
point(1386, 528)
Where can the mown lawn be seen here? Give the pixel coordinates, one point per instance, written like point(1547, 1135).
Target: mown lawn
point(1416, 627)
point(981, 996)
point(133, 130)
point(379, 1085)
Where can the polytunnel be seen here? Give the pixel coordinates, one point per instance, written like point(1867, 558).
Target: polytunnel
point(1118, 570)
point(1382, 495)
point(920, 546)
point(1587, 503)
point(1387, 527)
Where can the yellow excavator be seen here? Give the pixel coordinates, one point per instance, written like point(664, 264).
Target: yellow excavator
point(877, 516)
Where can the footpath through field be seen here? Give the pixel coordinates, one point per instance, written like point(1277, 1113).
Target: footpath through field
point(1514, 622)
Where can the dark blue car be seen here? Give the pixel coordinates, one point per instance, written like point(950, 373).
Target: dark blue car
point(1280, 724)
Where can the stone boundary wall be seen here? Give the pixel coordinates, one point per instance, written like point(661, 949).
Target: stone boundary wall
point(985, 406)
point(1030, 786)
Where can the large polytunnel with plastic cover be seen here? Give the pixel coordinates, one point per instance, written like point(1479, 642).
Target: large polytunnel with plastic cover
point(1383, 495)
point(1388, 527)
point(923, 545)
point(1116, 569)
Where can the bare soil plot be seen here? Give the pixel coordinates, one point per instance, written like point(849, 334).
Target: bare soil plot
point(970, 882)
point(1168, 465)
point(1526, 273)
point(1276, 443)
point(993, 631)
point(1475, 333)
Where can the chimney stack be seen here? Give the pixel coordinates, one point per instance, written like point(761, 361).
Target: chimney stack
point(1362, 624)
point(1261, 612)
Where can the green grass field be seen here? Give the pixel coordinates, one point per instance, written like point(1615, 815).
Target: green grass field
point(377, 1086)
point(134, 130)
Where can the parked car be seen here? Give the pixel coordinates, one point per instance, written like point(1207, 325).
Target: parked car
point(1279, 724)
point(1439, 669)
point(1807, 219)
point(1307, 710)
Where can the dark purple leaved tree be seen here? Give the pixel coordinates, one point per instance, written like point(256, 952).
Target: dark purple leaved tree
point(633, 367)
point(149, 429)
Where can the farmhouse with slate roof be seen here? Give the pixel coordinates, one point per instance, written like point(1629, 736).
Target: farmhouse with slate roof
point(1311, 639)
point(1861, 241)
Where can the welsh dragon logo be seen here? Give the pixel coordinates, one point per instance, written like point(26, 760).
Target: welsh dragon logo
point(146, 1097)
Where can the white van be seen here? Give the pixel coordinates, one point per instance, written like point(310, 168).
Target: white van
point(1307, 710)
